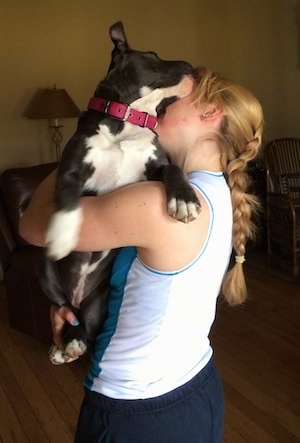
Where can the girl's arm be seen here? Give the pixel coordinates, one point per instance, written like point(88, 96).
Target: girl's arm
point(135, 215)
point(114, 220)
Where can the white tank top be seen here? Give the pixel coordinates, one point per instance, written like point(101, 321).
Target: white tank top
point(155, 338)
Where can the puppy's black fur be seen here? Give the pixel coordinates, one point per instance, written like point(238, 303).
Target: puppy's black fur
point(91, 162)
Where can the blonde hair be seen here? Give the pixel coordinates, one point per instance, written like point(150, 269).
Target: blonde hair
point(239, 141)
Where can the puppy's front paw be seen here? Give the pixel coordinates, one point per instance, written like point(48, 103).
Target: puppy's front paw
point(184, 211)
point(62, 235)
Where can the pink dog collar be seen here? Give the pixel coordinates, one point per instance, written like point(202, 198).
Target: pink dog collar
point(123, 112)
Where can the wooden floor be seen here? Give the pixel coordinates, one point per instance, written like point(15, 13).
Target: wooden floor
point(257, 350)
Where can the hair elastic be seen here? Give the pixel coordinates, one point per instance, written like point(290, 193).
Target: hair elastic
point(240, 259)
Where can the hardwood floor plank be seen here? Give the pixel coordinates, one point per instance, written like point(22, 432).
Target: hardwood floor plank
point(54, 385)
point(244, 426)
point(232, 436)
point(266, 377)
point(11, 430)
point(254, 424)
point(251, 347)
point(258, 354)
point(49, 419)
point(265, 403)
point(18, 403)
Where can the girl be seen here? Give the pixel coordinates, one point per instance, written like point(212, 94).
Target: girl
point(152, 376)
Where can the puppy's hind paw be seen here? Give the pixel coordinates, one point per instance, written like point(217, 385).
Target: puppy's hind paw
point(75, 348)
point(58, 357)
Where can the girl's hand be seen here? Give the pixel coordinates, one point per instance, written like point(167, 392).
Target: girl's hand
point(59, 316)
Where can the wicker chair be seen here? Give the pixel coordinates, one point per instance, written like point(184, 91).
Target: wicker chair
point(282, 158)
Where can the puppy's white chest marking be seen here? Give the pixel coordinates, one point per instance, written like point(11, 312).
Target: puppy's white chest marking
point(117, 161)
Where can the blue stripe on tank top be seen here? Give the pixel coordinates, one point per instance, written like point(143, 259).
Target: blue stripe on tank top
point(121, 266)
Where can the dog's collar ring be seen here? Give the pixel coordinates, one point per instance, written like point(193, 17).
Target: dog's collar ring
point(123, 112)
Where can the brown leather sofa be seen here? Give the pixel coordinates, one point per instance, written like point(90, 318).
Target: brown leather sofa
point(28, 307)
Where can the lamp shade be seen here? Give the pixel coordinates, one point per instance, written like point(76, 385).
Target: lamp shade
point(53, 104)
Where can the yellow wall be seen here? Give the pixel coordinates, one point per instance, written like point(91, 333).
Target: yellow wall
point(66, 42)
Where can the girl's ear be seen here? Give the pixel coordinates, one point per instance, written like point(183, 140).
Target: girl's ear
point(211, 114)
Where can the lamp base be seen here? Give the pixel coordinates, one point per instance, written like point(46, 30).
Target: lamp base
point(57, 138)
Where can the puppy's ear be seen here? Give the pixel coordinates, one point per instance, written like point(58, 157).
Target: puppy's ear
point(118, 37)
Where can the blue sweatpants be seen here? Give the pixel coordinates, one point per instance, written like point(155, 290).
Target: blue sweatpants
point(192, 413)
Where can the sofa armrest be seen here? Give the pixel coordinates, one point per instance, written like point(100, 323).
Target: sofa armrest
point(7, 241)
point(17, 187)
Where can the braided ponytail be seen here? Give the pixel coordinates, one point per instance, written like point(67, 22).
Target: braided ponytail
point(239, 141)
point(243, 204)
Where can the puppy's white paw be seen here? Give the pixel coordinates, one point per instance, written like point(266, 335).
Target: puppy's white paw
point(62, 235)
point(58, 357)
point(183, 211)
point(75, 348)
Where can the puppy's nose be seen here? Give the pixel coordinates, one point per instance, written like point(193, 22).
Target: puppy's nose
point(186, 68)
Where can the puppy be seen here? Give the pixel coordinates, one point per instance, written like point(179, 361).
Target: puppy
point(115, 134)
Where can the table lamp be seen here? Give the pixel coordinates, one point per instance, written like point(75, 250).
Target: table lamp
point(53, 104)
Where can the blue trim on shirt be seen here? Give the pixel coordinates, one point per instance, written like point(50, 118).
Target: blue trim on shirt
point(216, 174)
point(120, 269)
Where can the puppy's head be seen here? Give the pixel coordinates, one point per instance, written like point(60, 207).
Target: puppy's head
point(133, 72)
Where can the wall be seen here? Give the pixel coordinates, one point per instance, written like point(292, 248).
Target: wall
point(66, 42)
